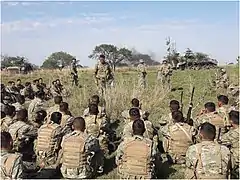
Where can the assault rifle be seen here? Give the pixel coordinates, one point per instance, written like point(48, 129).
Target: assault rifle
point(181, 101)
point(188, 120)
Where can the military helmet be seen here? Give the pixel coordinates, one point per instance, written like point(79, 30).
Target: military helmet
point(141, 61)
point(164, 61)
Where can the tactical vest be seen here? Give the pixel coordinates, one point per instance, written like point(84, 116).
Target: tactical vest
point(93, 125)
point(180, 139)
point(216, 120)
point(74, 156)
point(136, 159)
point(102, 71)
point(7, 167)
point(47, 142)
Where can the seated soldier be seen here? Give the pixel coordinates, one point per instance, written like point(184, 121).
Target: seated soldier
point(19, 85)
point(135, 155)
point(223, 108)
point(21, 131)
point(55, 108)
point(207, 160)
point(8, 119)
point(86, 152)
point(95, 100)
point(177, 138)
point(54, 89)
point(11, 163)
point(48, 146)
point(20, 102)
point(35, 85)
point(39, 118)
point(67, 119)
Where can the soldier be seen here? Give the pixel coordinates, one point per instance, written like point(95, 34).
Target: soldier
point(19, 85)
point(177, 138)
point(39, 118)
point(8, 120)
point(141, 68)
point(67, 118)
point(210, 115)
point(233, 93)
point(84, 148)
point(103, 74)
point(74, 72)
point(231, 140)
point(55, 108)
point(165, 73)
point(48, 145)
point(28, 92)
point(21, 131)
point(136, 155)
point(41, 83)
point(55, 91)
point(95, 100)
point(35, 105)
point(207, 160)
point(223, 108)
point(35, 85)
point(20, 102)
point(11, 163)
point(222, 81)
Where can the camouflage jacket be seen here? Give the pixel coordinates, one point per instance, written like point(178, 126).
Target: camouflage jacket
point(35, 106)
point(103, 71)
point(18, 106)
point(52, 109)
point(223, 112)
point(231, 139)
point(165, 69)
point(141, 68)
point(7, 121)
point(125, 114)
point(207, 160)
point(11, 165)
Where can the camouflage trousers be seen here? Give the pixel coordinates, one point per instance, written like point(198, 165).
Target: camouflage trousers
point(166, 81)
point(142, 82)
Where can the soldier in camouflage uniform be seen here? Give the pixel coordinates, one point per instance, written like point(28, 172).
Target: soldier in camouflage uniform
point(85, 149)
point(223, 108)
point(11, 163)
point(8, 119)
point(222, 81)
point(231, 140)
point(208, 159)
point(164, 74)
point(55, 108)
point(19, 85)
point(20, 104)
point(35, 105)
point(67, 118)
point(103, 74)
point(141, 68)
point(136, 155)
point(74, 72)
point(233, 93)
point(95, 100)
point(177, 138)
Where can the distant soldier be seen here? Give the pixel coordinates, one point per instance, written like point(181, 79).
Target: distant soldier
point(231, 140)
point(208, 159)
point(67, 118)
point(223, 108)
point(19, 85)
point(103, 74)
point(8, 119)
point(28, 92)
point(177, 138)
point(95, 100)
point(141, 68)
point(20, 104)
point(35, 85)
point(84, 148)
point(74, 72)
point(222, 80)
point(165, 73)
point(11, 163)
point(55, 108)
point(136, 155)
point(233, 93)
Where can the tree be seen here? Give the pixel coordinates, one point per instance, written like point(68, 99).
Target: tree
point(199, 56)
point(112, 54)
point(8, 61)
point(56, 58)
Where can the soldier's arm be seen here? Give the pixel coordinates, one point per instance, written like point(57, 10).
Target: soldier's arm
point(17, 172)
point(119, 153)
point(190, 158)
point(96, 70)
point(226, 139)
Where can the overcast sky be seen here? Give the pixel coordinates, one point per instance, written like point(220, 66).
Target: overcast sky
point(36, 29)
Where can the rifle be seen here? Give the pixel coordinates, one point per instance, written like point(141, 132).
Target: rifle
point(190, 106)
point(219, 132)
point(181, 101)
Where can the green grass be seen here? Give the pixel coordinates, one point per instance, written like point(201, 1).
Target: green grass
point(154, 99)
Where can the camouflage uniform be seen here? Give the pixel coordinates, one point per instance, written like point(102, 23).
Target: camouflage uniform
point(18, 106)
point(142, 75)
point(74, 73)
point(223, 112)
point(11, 165)
point(52, 109)
point(164, 74)
point(177, 139)
point(233, 93)
point(21, 132)
point(135, 158)
point(35, 88)
point(126, 116)
point(223, 80)
point(85, 150)
point(6, 122)
point(66, 123)
point(207, 160)
point(103, 74)
point(101, 109)
point(231, 139)
point(35, 106)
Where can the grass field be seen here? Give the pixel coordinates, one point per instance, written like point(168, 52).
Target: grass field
point(154, 99)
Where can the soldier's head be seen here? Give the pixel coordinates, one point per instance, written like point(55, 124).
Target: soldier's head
point(58, 81)
point(40, 94)
point(222, 100)
point(207, 131)
point(56, 117)
point(174, 105)
point(93, 109)
point(210, 107)
point(20, 99)
point(3, 115)
point(141, 61)
point(95, 99)
point(10, 110)
point(234, 117)
point(58, 99)
point(135, 102)
point(134, 114)
point(164, 62)
point(6, 141)
point(63, 107)
point(22, 115)
point(138, 127)
point(40, 116)
point(40, 80)
point(27, 84)
point(74, 60)
point(10, 83)
point(102, 58)
point(54, 82)
point(79, 124)
point(223, 71)
point(177, 116)
point(18, 81)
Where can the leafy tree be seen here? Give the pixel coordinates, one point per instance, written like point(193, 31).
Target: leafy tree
point(199, 56)
point(8, 61)
point(189, 55)
point(57, 58)
point(113, 54)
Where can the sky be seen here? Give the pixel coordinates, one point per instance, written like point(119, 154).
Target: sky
point(37, 29)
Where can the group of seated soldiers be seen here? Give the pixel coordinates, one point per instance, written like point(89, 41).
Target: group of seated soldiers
point(76, 147)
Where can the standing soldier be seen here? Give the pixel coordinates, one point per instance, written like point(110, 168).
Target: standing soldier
point(103, 74)
point(165, 73)
point(222, 81)
point(74, 72)
point(142, 74)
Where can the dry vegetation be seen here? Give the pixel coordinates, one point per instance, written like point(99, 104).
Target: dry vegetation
point(154, 99)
